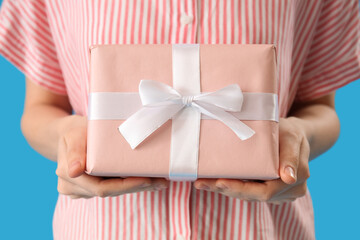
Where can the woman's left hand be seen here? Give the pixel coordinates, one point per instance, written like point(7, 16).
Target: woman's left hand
point(294, 170)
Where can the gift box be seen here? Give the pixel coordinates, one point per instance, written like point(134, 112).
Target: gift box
point(183, 111)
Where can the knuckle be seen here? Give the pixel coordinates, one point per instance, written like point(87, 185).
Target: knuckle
point(100, 192)
point(68, 135)
point(295, 134)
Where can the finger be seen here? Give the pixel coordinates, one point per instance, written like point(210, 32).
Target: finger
point(132, 190)
point(79, 197)
point(261, 191)
point(160, 183)
point(68, 188)
point(117, 186)
point(294, 192)
point(206, 184)
point(289, 142)
point(243, 189)
point(76, 151)
point(279, 202)
point(247, 190)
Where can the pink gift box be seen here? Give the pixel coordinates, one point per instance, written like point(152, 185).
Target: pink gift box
point(221, 154)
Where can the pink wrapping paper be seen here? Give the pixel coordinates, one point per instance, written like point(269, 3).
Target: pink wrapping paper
point(119, 68)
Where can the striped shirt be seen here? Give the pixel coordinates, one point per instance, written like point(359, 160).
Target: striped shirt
point(317, 52)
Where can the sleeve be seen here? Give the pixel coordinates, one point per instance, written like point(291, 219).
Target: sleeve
point(26, 41)
point(334, 56)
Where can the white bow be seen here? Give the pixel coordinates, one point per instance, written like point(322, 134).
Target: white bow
point(162, 102)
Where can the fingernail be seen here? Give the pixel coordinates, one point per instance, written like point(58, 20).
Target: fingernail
point(222, 186)
point(290, 171)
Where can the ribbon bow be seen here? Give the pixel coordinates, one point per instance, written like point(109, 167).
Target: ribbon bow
point(162, 102)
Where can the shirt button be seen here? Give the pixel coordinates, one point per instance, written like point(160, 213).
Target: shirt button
point(186, 19)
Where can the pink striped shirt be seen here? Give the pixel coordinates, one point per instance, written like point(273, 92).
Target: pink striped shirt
point(318, 50)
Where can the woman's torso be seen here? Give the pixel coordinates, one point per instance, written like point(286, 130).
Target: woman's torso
point(182, 211)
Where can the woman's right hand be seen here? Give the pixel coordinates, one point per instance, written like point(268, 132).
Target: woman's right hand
point(72, 179)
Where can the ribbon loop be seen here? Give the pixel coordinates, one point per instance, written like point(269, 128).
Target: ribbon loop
point(152, 92)
point(230, 98)
point(169, 102)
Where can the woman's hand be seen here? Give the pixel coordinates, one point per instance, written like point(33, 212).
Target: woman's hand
point(294, 170)
point(73, 181)
point(52, 131)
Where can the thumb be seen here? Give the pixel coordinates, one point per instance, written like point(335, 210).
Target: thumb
point(76, 152)
point(289, 160)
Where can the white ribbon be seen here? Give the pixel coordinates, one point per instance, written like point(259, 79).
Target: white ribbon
point(121, 105)
point(161, 102)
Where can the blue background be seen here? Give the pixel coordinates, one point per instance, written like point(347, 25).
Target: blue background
point(28, 182)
